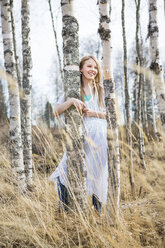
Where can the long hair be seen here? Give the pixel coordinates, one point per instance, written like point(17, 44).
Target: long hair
point(98, 87)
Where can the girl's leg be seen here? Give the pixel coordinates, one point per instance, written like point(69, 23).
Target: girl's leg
point(96, 203)
point(63, 194)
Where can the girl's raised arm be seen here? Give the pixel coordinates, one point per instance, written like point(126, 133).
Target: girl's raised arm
point(62, 107)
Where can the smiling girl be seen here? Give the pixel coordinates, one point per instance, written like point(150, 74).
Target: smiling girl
point(95, 129)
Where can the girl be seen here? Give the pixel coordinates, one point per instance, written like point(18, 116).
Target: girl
point(95, 128)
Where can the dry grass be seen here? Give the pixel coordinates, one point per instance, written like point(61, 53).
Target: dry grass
point(33, 220)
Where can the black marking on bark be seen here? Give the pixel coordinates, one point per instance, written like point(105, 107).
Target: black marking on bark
point(12, 132)
point(27, 89)
point(162, 117)
point(110, 103)
point(9, 66)
point(69, 48)
point(104, 18)
point(69, 19)
point(103, 1)
point(162, 96)
point(152, 30)
point(6, 4)
point(152, 7)
point(104, 33)
point(8, 51)
point(156, 67)
point(62, 4)
point(110, 85)
point(71, 22)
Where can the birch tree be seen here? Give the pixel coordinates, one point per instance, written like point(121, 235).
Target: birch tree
point(146, 86)
point(75, 151)
point(112, 206)
point(156, 68)
point(144, 107)
point(16, 57)
point(149, 106)
point(3, 108)
point(48, 114)
point(15, 122)
point(56, 43)
point(26, 94)
point(127, 103)
point(140, 81)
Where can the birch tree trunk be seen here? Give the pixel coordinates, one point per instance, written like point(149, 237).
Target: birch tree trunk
point(135, 102)
point(16, 57)
point(144, 120)
point(112, 206)
point(150, 108)
point(140, 125)
point(148, 96)
point(127, 104)
point(26, 96)
point(15, 123)
point(153, 108)
point(55, 36)
point(145, 116)
point(156, 68)
point(3, 108)
point(75, 152)
point(148, 90)
point(140, 77)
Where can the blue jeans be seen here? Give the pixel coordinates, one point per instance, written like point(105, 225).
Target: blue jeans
point(64, 197)
point(63, 194)
point(96, 203)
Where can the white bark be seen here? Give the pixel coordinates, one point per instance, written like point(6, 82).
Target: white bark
point(16, 57)
point(75, 152)
point(56, 43)
point(156, 68)
point(15, 123)
point(112, 206)
point(150, 98)
point(127, 104)
point(153, 105)
point(140, 81)
point(144, 107)
point(140, 125)
point(26, 94)
point(3, 108)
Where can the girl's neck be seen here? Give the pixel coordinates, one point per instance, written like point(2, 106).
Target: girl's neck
point(86, 81)
point(87, 87)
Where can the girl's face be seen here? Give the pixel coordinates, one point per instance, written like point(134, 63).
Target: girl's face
point(89, 69)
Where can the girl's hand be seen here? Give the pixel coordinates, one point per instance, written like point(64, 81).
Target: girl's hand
point(92, 113)
point(77, 103)
point(89, 112)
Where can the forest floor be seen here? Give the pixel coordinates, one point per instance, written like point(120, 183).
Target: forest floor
point(33, 219)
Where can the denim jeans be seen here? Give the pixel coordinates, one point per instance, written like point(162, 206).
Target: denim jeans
point(96, 203)
point(63, 194)
point(64, 197)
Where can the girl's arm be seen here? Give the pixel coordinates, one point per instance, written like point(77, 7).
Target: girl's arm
point(60, 108)
point(92, 113)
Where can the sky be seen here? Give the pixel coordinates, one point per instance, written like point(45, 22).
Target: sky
point(86, 11)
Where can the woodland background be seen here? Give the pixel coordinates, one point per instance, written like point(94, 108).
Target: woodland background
point(30, 217)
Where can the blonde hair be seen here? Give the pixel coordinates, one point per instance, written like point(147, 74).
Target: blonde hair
point(98, 87)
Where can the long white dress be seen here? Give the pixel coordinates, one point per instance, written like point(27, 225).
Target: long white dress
point(96, 154)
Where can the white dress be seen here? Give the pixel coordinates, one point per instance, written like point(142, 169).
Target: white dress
point(96, 154)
